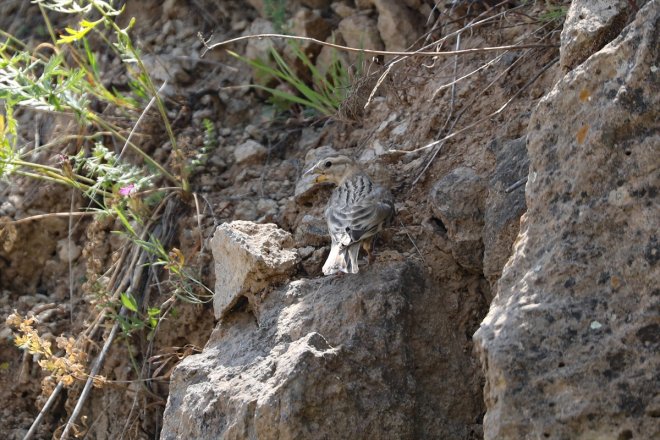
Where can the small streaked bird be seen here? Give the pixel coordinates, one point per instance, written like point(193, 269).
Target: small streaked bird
point(357, 210)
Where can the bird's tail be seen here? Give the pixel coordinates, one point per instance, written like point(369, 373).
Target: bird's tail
point(342, 259)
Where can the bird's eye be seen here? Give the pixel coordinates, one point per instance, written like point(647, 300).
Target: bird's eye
point(328, 164)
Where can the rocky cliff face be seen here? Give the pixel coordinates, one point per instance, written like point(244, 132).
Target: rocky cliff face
point(570, 345)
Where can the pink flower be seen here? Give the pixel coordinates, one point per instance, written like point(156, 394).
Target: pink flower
point(127, 190)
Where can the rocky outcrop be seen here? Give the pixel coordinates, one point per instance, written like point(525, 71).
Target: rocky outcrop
point(481, 212)
point(458, 200)
point(505, 204)
point(570, 345)
point(590, 25)
point(248, 258)
point(305, 369)
point(331, 357)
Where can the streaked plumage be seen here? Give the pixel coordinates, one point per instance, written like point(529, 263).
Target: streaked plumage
point(357, 210)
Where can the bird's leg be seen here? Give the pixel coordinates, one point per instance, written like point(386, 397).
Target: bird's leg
point(368, 246)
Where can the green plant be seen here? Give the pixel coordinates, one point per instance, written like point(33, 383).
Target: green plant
point(66, 78)
point(70, 84)
point(553, 13)
point(325, 93)
point(275, 11)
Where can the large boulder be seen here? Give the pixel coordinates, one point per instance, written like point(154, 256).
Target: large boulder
point(343, 357)
point(570, 345)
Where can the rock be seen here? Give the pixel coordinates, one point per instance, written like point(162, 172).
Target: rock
point(307, 23)
point(249, 257)
point(364, 4)
point(67, 250)
point(249, 151)
point(312, 231)
point(590, 25)
point(328, 358)
point(162, 69)
point(360, 31)
point(570, 345)
point(503, 210)
point(398, 26)
point(302, 380)
point(246, 210)
point(458, 201)
point(342, 9)
point(266, 207)
point(314, 263)
point(328, 57)
point(259, 48)
point(306, 251)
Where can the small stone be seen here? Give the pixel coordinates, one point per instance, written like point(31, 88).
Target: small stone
point(249, 151)
point(67, 250)
point(306, 251)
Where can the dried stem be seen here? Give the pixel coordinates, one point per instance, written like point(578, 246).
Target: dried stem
point(370, 51)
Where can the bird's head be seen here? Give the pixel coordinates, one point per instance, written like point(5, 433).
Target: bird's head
point(333, 169)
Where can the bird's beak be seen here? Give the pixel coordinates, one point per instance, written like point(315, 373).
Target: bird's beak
point(318, 172)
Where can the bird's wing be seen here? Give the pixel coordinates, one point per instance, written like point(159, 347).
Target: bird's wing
point(358, 215)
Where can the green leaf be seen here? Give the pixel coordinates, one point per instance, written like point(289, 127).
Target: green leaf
point(129, 302)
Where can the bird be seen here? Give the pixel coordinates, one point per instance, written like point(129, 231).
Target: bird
point(357, 210)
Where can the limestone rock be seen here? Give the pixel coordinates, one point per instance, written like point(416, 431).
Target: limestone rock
point(342, 9)
point(458, 201)
point(398, 25)
point(328, 358)
point(257, 48)
point(292, 375)
point(306, 23)
point(249, 151)
point(249, 257)
point(590, 25)
point(503, 210)
point(361, 31)
point(570, 345)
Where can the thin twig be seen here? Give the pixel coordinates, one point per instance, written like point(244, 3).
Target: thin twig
point(405, 230)
point(495, 113)
point(52, 214)
point(88, 385)
point(451, 113)
point(370, 51)
point(69, 259)
point(144, 112)
point(516, 185)
point(44, 410)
